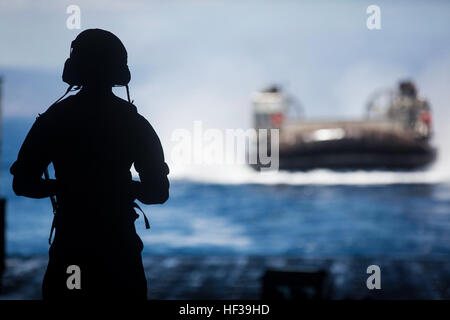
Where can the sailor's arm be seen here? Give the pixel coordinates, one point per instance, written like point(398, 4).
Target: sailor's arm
point(33, 187)
point(153, 187)
point(33, 158)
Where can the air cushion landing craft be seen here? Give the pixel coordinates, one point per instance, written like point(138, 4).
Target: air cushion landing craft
point(394, 134)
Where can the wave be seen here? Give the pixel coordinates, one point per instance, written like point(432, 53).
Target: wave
point(242, 174)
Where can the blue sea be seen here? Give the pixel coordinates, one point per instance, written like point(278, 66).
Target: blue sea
point(233, 211)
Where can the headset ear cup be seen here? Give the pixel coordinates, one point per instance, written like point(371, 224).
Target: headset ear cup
point(122, 76)
point(127, 76)
point(69, 73)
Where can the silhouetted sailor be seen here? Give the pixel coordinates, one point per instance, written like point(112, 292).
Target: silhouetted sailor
point(93, 138)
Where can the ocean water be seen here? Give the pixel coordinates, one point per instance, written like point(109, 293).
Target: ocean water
point(234, 210)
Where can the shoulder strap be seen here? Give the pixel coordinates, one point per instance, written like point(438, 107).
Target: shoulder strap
point(147, 224)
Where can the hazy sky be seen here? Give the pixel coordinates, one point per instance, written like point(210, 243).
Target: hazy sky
point(201, 60)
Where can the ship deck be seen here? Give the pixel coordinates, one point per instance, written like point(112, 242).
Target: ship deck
point(239, 277)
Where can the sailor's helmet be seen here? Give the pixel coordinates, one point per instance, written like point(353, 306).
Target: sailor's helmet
point(96, 57)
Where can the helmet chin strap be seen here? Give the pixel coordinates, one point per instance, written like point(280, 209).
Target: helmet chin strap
point(128, 94)
point(69, 89)
point(65, 93)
